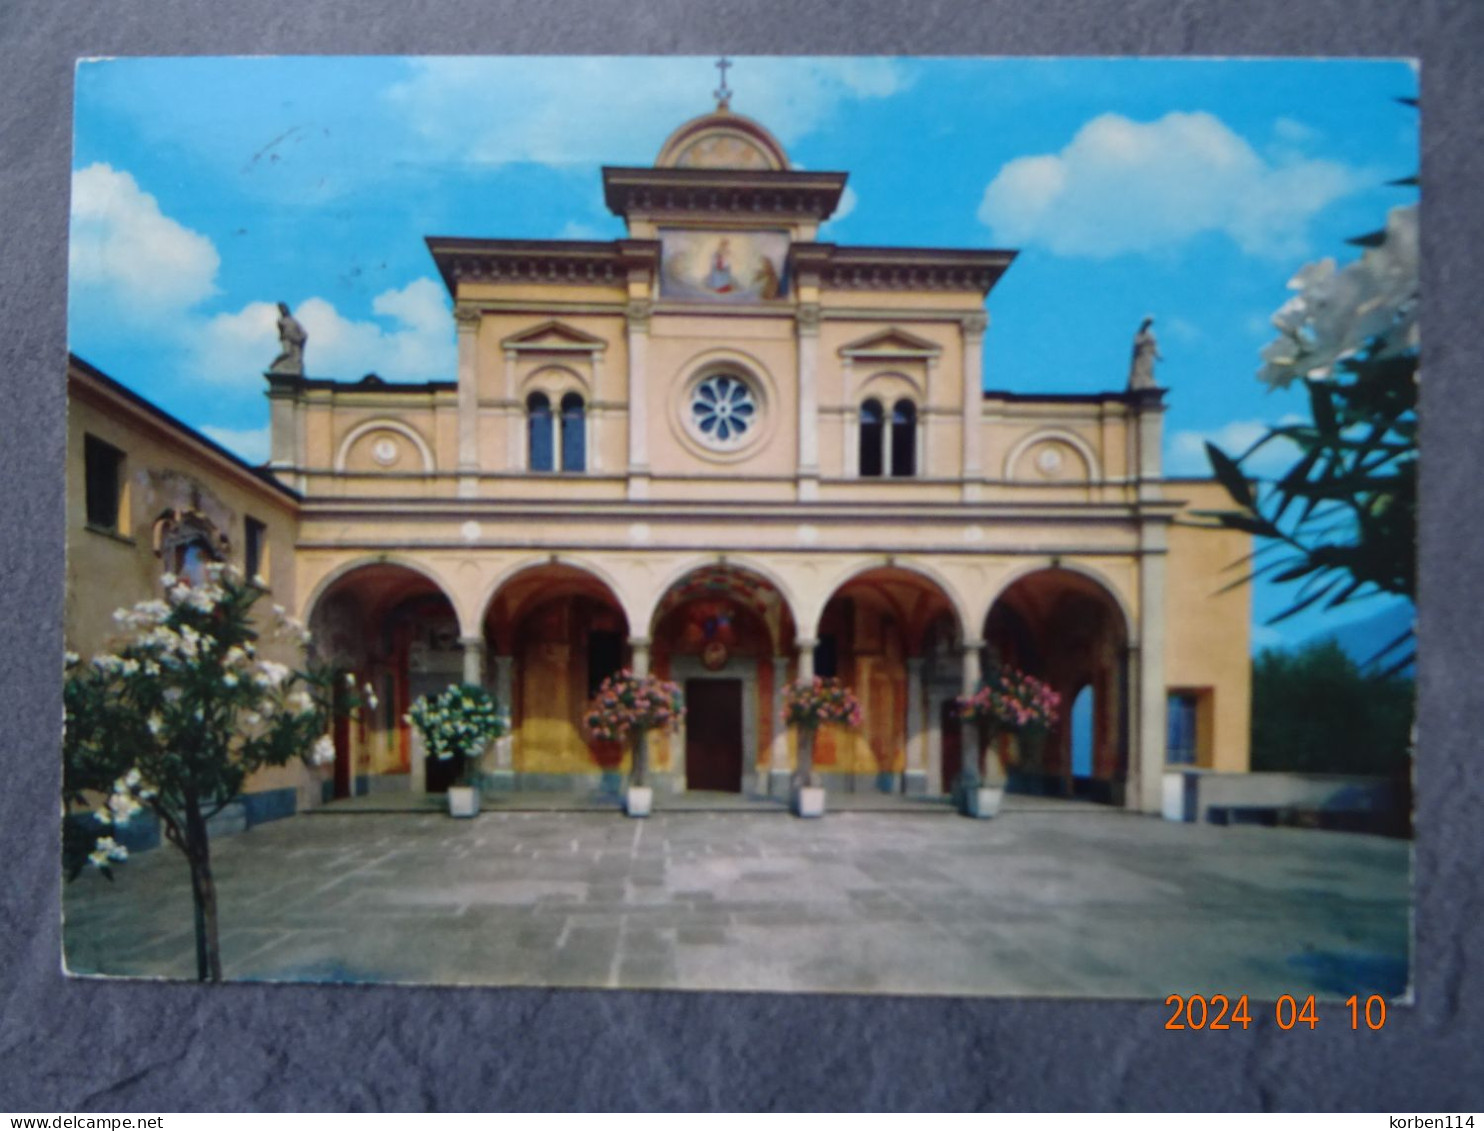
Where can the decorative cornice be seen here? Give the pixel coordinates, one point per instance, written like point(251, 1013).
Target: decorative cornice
point(753, 193)
point(559, 262)
point(467, 316)
point(899, 268)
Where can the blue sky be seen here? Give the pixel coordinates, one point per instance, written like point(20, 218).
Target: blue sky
point(205, 190)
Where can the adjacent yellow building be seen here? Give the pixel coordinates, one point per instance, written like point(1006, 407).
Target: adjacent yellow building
point(725, 452)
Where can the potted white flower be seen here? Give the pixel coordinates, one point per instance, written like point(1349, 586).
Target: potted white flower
point(460, 722)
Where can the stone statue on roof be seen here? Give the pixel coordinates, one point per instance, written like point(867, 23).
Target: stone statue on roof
point(1146, 353)
point(291, 339)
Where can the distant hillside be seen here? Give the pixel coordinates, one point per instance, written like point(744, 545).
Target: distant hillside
point(1364, 638)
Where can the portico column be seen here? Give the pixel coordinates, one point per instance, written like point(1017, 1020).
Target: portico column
point(805, 649)
point(504, 775)
point(473, 659)
point(778, 767)
point(467, 320)
point(808, 344)
point(915, 779)
point(639, 647)
point(969, 732)
point(638, 315)
point(973, 327)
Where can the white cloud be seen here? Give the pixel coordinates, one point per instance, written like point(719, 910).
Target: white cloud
point(1125, 186)
point(848, 201)
point(577, 230)
point(249, 443)
point(412, 341)
point(122, 243)
point(562, 111)
point(1185, 452)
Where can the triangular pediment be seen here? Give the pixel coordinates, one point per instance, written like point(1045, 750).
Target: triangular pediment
point(556, 337)
point(891, 342)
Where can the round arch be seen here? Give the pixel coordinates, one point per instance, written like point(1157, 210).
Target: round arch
point(384, 425)
point(592, 569)
point(1061, 435)
point(1097, 577)
point(907, 565)
point(345, 569)
point(738, 561)
point(555, 381)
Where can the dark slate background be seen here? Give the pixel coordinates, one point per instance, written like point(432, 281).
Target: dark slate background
point(95, 1046)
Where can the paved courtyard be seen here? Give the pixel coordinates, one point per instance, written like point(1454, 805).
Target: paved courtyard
point(1049, 899)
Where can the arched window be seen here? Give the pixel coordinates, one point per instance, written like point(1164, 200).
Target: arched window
point(539, 438)
point(872, 435)
point(904, 439)
point(574, 433)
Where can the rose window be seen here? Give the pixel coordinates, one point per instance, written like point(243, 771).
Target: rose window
point(723, 409)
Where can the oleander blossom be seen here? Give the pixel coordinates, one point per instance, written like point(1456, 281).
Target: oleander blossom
point(818, 702)
point(627, 704)
point(1011, 700)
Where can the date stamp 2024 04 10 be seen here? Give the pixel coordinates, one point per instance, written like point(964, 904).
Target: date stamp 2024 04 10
point(1221, 1012)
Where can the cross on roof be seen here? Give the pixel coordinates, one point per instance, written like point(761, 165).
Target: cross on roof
point(723, 93)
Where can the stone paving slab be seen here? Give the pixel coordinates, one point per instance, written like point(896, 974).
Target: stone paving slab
point(1058, 900)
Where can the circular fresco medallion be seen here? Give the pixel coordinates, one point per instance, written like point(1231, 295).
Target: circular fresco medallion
point(384, 451)
point(714, 656)
point(1049, 459)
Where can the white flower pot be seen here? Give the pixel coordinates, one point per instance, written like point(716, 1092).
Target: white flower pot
point(638, 800)
point(463, 801)
point(984, 802)
point(809, 801)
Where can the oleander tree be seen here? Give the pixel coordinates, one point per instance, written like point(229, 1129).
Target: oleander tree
point(1341, 521)
point(809, 704)
point(1007, 701)
point(175, 718)
point(627, 707)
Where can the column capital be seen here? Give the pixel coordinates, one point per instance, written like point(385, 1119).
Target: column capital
point(473, 642)
point(803, 643)
point(974, 324)
point(638, 313)
point(971, 645)
point(808, 318)
point(467, 317)
point(639, 642)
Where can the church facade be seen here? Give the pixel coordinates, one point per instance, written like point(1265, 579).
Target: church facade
point(730, 454)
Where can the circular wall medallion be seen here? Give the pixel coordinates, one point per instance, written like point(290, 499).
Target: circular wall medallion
point(1049, 460)
point(723, 411)
point(384, 451)
point(714, 656)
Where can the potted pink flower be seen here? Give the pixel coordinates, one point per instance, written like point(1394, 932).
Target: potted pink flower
point(625, 709)
point(1008, 701)
point(807, 706)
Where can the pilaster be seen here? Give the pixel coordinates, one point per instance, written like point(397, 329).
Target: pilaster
point(637, 316)
point(916, 777)
point(972, 327)
point(466, 318)
point(1146, 767)
point(807, 325)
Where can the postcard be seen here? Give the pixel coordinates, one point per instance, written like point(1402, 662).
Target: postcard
point(869, 525)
